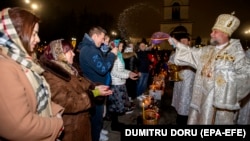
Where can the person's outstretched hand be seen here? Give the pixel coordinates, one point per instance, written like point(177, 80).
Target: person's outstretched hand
point(114, 50)
point(172, 41)
point(104, 90)
point(133, 75)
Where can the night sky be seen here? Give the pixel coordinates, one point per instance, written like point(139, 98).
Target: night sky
point(65, 18)
point(204, 13)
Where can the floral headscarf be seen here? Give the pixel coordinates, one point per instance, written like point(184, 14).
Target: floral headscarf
point(56, 52)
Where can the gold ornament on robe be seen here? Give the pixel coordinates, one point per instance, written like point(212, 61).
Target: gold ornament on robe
point(174, 71)
point(208, 68)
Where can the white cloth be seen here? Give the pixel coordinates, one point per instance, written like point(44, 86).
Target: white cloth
point(128, 49)
point(244, 113)
point(182, 92)
point(118, 73)
point(248, 53)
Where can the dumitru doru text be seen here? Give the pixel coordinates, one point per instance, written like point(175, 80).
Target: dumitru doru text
point(185, 132)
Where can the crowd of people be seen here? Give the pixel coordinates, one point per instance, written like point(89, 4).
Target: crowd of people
point(53, 98)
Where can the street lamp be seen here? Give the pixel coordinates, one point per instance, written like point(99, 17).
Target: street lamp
point(73, 41)
point(27, 1)
point(247, 32)
point(34, 6)
point(113, 33)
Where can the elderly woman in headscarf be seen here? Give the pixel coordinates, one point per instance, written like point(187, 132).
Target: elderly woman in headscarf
point(70, 90)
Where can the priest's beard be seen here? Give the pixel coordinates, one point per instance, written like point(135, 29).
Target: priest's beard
point(214, 42)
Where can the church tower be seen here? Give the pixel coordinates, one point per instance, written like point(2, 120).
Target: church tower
point(175, 13)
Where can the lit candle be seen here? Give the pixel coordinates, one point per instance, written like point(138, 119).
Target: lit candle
point(143, 112)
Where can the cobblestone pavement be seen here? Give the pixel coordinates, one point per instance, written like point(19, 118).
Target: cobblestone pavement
point(166, 111)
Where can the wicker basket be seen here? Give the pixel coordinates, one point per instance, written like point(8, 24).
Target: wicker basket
point(151, 117)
